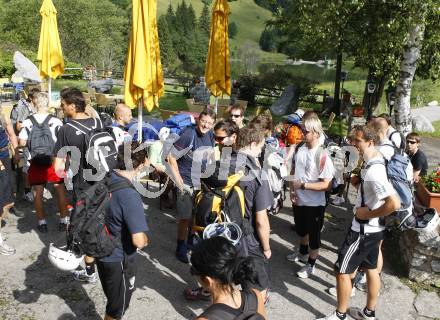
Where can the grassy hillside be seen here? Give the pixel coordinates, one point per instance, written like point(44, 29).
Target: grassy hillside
point(249, 17)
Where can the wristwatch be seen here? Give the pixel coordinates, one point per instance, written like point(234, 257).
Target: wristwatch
point(303, 186)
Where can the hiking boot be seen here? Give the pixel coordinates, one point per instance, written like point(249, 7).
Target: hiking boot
point(360, 281)
point(297, 257)
point(331, 316)
point(28, 196)
point(63, 227)
point(81, 275)
point(337, 201)
point(182, 253)
point(196, 294)
point(6, 250)
point(332, 291)
point(359, 314)
point(306, 271)
point(42, 228)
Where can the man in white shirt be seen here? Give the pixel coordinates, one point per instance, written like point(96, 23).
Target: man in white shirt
point(313, 174)
point(392, 134)
point(376, 198)
point(41, 170)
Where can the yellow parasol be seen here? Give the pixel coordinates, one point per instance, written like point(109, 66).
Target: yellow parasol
point(143, 70)
point(217, 72)
point(50, 53)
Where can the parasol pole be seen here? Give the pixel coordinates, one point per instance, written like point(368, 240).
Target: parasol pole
point(140, 109)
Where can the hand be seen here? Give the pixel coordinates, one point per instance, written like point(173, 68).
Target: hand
point(16, 158)
point(363, 213)
point(267, 254)
point(293, 197)
point(19, 125)
point(296, 184)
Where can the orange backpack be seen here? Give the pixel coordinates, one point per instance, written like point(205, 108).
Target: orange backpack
point(293, 134)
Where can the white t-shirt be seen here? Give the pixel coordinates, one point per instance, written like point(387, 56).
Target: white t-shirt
point(394, 138)
point(54, 125)
point(376, 189)
point(307, 170)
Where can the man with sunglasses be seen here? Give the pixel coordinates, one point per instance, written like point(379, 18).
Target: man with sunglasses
point(186, 168)
point(418, 158)
point(236, 114)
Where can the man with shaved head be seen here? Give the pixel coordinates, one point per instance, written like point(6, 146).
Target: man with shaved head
point(122, 115)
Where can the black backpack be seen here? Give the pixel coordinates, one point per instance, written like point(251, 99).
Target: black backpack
point(40, 142)
point(88, 233)
point(101, 152)
point(220, 199)
point(248, 309)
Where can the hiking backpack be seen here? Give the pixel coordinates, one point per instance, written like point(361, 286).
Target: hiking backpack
point(179, 122)
point(88, 234)
point(396, 167)
point(40, 142)
point(101, 152)
point(220, 200)
point(276, 170)
point(248, 312)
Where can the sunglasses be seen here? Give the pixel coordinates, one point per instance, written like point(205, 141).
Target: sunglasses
point(219, 139)
point(411, 141)
point(235, 115)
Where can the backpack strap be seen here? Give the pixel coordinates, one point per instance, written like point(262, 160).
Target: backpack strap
point(122, 184)
point(250, 304)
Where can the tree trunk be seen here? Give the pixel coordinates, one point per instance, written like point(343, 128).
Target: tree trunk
point(337, 100)
point(377, 95)
point(408, 66)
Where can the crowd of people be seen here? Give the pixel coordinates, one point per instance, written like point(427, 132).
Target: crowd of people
point(233, 275)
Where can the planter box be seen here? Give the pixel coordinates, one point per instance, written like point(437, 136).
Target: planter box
point(428, 199)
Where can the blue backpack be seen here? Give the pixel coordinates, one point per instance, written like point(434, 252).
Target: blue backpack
point(396, 172)
point(179, 122)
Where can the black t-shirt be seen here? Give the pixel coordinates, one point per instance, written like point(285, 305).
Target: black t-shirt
point(69, 136)
point(125, 216)
point(257, 194)
point(419, 162)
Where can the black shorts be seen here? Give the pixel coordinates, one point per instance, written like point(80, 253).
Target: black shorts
point(117, 280)
point(309, 220)
point(6, 192)
point(249, 246)
point(358, 251)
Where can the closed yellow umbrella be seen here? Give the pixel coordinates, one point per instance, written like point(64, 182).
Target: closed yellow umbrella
point(217, 72)
point(143, 70)
point(50, 53)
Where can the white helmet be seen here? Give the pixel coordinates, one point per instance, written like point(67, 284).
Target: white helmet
point(228, 230)
point(63, 259)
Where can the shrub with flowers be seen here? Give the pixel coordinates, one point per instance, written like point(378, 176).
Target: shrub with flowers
point(432, 181)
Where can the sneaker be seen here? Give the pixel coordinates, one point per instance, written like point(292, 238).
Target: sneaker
point(306, 271)
point(359, 314)
point(337, 201)
point(297, 257)
point(331, 316)
point(332, 291)
point(29, 196)
point(196, 294)
point(182, 254)
point(6, 250)
point(42, 228)
point(360, 281)
point(81, 275)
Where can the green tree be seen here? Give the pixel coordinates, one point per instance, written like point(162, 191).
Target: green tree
point(232, 30)
point(90, 32)
point(205, 20)
point(269, 40)
point(167, 52)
